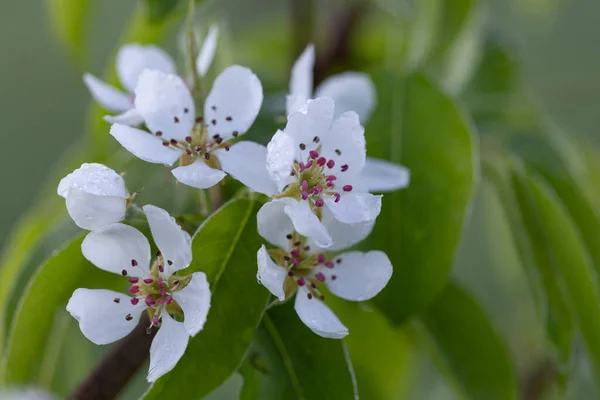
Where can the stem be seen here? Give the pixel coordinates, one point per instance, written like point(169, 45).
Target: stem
point(205, 205)
point(117, 366)
point(193, 78)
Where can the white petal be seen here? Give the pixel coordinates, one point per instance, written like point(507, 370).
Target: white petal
point(106, 95)
point(274, 224)
point(207, 51)
point(198, 175)
point(101, 319)
point(167, 348)
point(173, 242)
point(350, 91)
point(144, 145)
point(383, 176)
point(345, 144)
point(344, 235)
point(166, 104)
point(301, 82)
point(113, 248)
point(130, 117)
point(359, 276)
point(269, 274)
point(313, 120)
point(237, 95)
point(93, 212)
point(281, 151)
point(194, 300)
point(306, 222)
point(93, 178)
point(318, 317)
point(133, 58)
point(246, 162)
point(355, 207)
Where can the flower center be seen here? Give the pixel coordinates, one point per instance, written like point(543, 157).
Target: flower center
point(305, 267)
point(155, 291)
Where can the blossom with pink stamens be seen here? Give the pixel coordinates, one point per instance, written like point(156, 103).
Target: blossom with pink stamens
point(106, 316)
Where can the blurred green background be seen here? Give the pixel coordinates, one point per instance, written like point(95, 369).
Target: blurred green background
point(44, 105)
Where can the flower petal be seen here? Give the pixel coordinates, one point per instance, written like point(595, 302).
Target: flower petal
point(318, 317)
point(312, 121)
point(355, 207)
point(306, 222)
point(350, 91)
point(94, 178)
point(301, 82)
point(233, 103)
point(91, 212)
point(144, 145)
point(173, 242)
point(114, 247)
point(281, 151)
point(274, 224)
point(359, 276)
point(343, 235)
point(345, 144)
point(269, 274)
point(130, 117)
point(167, 348)
point(246, 162)
point(198, 175)
point(194, 300)
point(207, 51)
point(133, 58)
point(166, 104)
point(383, 176)
point(106, 95)
point(101, 319)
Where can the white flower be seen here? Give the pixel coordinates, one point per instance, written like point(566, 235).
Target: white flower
point(300, 266)
point(95, 195)
point(106, 316)
point(132, 59)
point(202, 143)
point(350, 91)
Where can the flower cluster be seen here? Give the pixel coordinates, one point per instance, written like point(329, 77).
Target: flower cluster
point(315, 173)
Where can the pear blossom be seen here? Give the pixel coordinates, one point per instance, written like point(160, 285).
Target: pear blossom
point(131, 60)
point(95, 196)
point(105, 316)
point(350, 91)
point(201, 142)
point(299, 266)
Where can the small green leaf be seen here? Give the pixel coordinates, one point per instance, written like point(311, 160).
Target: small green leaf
point(571, 261)
point(68, 19)
point(471, 347)
point(224, 247)
point(48, 291)
point(419, 228)
point(288, 361)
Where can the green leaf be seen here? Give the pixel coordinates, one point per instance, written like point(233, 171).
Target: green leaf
point(160, 9)
point(68, 19)
point(470, 346)
point(571, 261)
point(419, 228)
point(381, 355)
point(48, 292)
point(558, 316)
point(224, 247)
point(288, 361)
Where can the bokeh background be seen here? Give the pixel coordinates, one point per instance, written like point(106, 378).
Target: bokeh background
point(43, 107)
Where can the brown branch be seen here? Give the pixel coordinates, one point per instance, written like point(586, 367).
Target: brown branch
point(538, 380)
point(337, 48)
point(117, 366)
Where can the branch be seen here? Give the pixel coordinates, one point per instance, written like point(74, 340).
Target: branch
point(538, 380)
point(117, 366)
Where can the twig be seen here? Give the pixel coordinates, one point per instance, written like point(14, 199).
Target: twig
point(117, 366)
point(538, 380)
